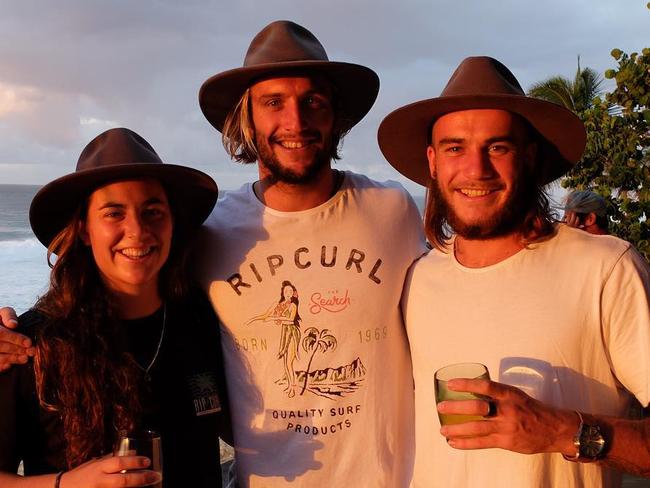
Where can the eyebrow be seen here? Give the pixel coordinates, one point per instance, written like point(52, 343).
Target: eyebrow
point(150, 201)
point(314, 91)
point(491, 140)
point(451, 140)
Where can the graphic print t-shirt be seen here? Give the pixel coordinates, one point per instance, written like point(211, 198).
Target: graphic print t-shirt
point(316, 356)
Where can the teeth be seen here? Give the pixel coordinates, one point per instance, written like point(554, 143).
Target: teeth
point(474, 193)
point(135, 252)
point(292, 144)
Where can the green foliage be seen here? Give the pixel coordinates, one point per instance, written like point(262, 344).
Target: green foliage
point(576, 94)
point(616, 163)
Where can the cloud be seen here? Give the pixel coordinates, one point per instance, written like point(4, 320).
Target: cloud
point(72, 68)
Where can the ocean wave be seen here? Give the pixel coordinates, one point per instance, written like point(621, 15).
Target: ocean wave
point(21, 244)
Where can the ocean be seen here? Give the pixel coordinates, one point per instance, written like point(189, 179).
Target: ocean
point(23, 260)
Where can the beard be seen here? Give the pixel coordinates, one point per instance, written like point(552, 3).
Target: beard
point(508, 219)
point(282, 174)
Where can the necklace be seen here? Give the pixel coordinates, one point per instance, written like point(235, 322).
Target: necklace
point(146, 370)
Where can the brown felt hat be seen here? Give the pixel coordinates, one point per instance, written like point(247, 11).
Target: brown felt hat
point(118, 154)
point(481, 83)
point(283, 48)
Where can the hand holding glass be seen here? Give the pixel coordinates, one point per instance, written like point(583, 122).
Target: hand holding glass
point(141, 443)
point(461, 370)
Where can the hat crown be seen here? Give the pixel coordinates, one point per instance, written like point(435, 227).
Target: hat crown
point(284, 41)
point(482, 75)
point(116, 147)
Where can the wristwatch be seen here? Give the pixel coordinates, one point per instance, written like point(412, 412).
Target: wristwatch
point(589, 441)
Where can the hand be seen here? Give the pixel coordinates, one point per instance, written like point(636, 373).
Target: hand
point(572, 219)
point(519, 422)
point(107, 472)
point(15, 348)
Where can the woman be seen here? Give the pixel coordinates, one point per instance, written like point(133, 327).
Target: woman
point(285, 313)
point(122, 342)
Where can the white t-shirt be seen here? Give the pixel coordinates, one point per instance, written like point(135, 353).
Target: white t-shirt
point(567, 321)
point(316, 355)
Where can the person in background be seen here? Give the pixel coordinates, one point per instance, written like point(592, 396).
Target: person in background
point(587, 210)
point(123, 342)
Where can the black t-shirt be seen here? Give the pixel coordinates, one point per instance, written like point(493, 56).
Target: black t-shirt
point(183, 398)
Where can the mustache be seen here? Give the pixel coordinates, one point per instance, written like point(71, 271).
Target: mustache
point(305, 134)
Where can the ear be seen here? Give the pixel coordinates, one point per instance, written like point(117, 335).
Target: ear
point(431, 156)
point(590, 219)
point(83, 233)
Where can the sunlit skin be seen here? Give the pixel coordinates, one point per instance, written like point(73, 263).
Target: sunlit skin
point(129, 228)
point(293, 119)
point(475, 157)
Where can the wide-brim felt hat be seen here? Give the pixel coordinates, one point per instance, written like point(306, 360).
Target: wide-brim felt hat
point(119, 154)
point(481, 83)
point(284, 48)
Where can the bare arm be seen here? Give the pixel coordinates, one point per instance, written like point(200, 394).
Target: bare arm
point(97, 473)
point(525, 425)
point(629, 443)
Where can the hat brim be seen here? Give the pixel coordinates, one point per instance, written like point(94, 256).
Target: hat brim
point(193, 191)
point(404, 134)
point(357, 87)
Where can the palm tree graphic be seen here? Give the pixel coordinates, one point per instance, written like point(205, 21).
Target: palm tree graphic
point(314, 340)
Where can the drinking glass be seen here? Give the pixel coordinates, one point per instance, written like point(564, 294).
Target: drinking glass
point(141, 443)
point(461, 370)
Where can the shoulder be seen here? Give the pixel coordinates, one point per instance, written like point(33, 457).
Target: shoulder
point(578, 245)
point(232, 198)
point(385, 194)
point(428, 263)
point(30, 322)
point(361, 182)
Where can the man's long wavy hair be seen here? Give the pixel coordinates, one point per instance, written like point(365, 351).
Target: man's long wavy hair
point(238, 133)
point(533, 213)
point(81, 370)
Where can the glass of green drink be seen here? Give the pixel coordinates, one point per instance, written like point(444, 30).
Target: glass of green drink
point(460, 370)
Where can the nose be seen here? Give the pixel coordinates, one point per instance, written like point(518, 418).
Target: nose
point(293, 116)
point(134, 226)
point(478, 165)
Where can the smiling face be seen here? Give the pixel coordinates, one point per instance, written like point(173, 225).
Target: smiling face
point(129, 228)
point(293, 119)
point(477, 160)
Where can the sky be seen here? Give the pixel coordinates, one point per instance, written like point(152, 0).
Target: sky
point(71, 69)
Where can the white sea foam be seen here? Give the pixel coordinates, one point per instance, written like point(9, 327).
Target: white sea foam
point(23, 272)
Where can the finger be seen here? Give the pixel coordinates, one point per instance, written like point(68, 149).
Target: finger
point(136, 478)
point(12, 348)
point(11, 337)
point(7, 359)
point(475, 428)
point(464, 407)
point(8, 317)
point(116, 464)
point(479, 386)
point(475, 442)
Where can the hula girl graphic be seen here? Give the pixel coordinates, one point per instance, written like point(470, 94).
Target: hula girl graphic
point(285, 314)
point(329, 382)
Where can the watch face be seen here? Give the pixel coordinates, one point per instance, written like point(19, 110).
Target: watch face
point(592, 442)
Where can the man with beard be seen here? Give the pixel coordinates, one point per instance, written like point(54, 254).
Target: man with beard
point(328, 251)
point(560, 317)
point(305, 269)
